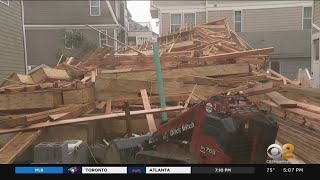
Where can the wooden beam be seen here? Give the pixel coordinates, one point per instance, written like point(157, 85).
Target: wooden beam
point(126, 109)
point(308, 107)
point(88, 119)
point(302, 90)
point(77, 111)
point(152, 99)
point(146, 105)
point(238, 54)
point(259, 87)
point(17, 145)
point(215, 70)
point(281, 100)
point(108, 107)
point(135, 50)
point(284, 79)
point(33, 100)
point(189, 98)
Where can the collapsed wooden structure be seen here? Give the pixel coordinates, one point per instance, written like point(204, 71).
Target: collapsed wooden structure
point(197, 62)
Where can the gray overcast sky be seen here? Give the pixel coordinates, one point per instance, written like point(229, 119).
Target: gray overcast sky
point(140, 11)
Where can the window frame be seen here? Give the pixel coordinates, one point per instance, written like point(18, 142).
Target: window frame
point(303, 18)
point(241, 20)
point(5, 3)
point(195, 17)
point(181, 16)
point(95, 7)
point(70, 30)
point(182, 19)
point(106, 39)
point(277, 62)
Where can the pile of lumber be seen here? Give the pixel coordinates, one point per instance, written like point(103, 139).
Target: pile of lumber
point(299, 124)
point(115, 91)
point(206, 44)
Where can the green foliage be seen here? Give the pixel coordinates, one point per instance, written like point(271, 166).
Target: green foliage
point(79, 42)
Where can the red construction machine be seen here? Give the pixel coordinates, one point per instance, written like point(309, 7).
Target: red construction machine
point(220, 130)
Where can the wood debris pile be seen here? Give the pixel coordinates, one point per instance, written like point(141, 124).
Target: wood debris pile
point(299, 124)
point(197, 62)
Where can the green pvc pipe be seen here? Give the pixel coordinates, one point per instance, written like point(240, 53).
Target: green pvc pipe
point(164, 116)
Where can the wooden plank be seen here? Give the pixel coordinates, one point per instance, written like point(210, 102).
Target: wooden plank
point(259, 87)
point(108, 107)
point(189, 98)
point(238, 54)
point(93, 76)
point(34, 100)
point(105, 86)
point(116, 71)
point(55, 117)
point(49, 74)
point(86, 79)
point(33, 118)
point(17, 145)
point(78, 96)
point(15, 79)
point(284, 79)
point(78, 111)
point(302, 90)
point(152, 99)
point(126, 109)
point(89, 119)
point(308, 107)
point(146, 105)
point(281, 100)
point(303, 117)
point(216, 70)
point(139, 52)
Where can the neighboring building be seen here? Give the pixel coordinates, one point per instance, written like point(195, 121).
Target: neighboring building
point(12, 47)
point(139, 32)
point(285, 25)
point(47, 22)
point(316, 45)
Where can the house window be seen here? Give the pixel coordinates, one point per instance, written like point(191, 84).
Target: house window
point(316, 52)
point(67, 39)
point(103, 38)
point(275, 65)
point(307, 17)
point(94, 7)
point(6, 2)
point(142, 40)
point(189, 18)
point(237, 21)
point(176, 21)
point(132, 40)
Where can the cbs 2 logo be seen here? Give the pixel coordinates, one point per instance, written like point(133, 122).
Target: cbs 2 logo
point(275, 151)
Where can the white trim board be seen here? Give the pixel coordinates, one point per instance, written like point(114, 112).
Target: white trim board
point(253, 5)
point(24, 38)
point(69, 26)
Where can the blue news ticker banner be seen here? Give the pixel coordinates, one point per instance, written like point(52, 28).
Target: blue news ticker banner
point(39, 170)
